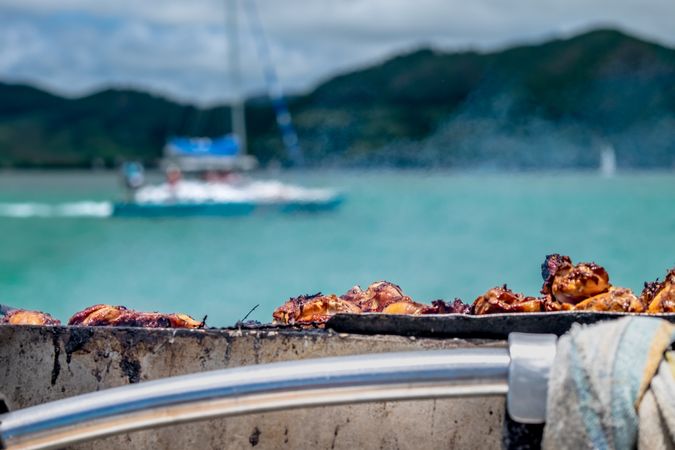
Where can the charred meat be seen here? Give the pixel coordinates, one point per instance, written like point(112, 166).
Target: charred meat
point(659, 296)
point(408, 306)
point(119, 316)
point(379, 297)
point(614, 300)
point(441, 307)
point(550, 267)
point(553, 305)
point(568, 283)
point(405, 307)
point(376, 297)
point(583, 287)
point(97, 315)
point(308, 309)
point(503, 300)
point(14, 316)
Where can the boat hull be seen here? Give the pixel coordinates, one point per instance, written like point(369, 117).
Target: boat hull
point(229, 209)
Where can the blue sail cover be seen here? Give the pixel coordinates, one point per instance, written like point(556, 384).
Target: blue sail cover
point(224, 146)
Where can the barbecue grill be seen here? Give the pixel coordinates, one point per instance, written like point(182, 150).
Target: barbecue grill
point(430, 374)
point(455, 386)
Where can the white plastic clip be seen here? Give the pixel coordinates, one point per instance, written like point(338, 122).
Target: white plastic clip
point(532, 357)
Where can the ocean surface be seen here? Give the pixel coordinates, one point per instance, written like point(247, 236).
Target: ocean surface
point(437, 235)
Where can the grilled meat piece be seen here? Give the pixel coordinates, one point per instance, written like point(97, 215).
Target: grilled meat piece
point(553, 305)
point(651, 289)
point(552, 265)
point(388, 298)
point(659, 296)
point(379, 297)
point(615, 300)
point(503, 300)
point(25, 317)
point(354, 295)
point(156, 320)
point(405, 307)
point(442, 307)
point(119, 316)
point(97, 315)
point(376, 297)
point(308, 309)
point(569, 283)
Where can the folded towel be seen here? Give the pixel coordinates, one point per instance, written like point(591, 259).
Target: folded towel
point(601, 376)
point(657, 410)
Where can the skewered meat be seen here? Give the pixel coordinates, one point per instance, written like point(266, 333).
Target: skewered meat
point(503, 300)
point(315, 308)
point(25, 317)
point(659, 296)
point(107, 315)
point(568, 283)
point(615, 300)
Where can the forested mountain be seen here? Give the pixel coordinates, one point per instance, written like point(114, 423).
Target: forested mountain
point(551, 105)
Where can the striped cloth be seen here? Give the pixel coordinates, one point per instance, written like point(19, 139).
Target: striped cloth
point(609, 381)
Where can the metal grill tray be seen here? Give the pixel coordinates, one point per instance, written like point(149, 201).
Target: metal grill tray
point(464, 325)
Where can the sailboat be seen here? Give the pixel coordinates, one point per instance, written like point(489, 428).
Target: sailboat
point(206, 176)
point(607, 161)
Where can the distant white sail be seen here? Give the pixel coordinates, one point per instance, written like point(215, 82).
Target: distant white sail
point(608, 161)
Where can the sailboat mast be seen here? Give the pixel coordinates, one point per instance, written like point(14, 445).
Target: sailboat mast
point(283, 115)
point(238, 118)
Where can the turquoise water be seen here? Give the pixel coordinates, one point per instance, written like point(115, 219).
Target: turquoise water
point(438, 235)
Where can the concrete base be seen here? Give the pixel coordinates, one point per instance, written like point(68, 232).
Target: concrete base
point(39, 364)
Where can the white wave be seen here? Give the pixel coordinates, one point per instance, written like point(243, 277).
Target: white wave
point(74, 209)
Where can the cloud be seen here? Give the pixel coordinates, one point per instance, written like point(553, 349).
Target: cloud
point(180, 48)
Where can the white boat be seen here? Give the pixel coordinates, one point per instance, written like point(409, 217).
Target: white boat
point(197, 198)
point(205, 174)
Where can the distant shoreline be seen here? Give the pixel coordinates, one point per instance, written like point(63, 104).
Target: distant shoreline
point(556, 104)
point(156, 172)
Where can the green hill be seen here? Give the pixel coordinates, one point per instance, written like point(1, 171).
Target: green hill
point(552, 105)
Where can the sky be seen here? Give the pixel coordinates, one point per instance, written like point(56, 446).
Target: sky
point(179, 48)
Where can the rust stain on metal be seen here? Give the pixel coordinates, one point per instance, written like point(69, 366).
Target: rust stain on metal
point(335, 435)
point(254, 438)
point(77, 340)
point(131, 368)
